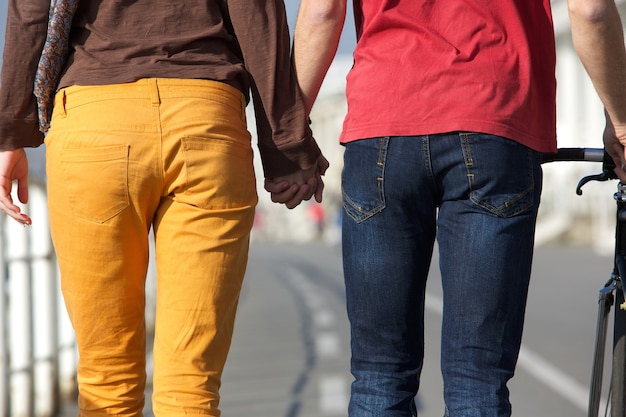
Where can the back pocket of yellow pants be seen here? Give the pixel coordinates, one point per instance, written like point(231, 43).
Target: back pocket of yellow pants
point(219, 173)
point(96, 181)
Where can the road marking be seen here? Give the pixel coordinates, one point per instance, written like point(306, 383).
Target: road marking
point(327, 345)
point(333, 398)
point(550, 375)
point(538, 367)
point(323, 318)
point(333, 389)
point(434, 304)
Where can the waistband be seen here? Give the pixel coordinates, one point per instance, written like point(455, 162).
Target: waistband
point(153, 89)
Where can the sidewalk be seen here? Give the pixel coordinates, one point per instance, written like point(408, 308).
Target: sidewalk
point(68, 409)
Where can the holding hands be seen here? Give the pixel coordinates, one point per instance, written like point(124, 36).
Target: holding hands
point(293, 189)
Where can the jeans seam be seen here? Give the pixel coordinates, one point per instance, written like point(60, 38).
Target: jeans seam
point(467, 152)
point(428, 163)
point(382, 158)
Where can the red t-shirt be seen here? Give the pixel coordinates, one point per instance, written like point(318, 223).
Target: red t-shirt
point(434, 66)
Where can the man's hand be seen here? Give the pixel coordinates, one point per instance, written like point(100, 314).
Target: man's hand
point(614, 144)
point(14, 166)
point(293, 189)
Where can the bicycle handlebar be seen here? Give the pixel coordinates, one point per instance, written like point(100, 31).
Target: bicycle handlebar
point(585, 154)
point(575, 154)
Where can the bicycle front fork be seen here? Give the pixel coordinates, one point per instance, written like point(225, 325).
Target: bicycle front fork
point(612, 291)
point(620, 242)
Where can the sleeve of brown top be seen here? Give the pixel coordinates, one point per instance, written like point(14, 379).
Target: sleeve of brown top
point(286, 143)
point(27, 23)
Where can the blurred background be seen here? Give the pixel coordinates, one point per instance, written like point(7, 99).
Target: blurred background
point(290, 354)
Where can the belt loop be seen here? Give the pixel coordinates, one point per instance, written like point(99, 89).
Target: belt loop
point(153, 87)
point(63, 103)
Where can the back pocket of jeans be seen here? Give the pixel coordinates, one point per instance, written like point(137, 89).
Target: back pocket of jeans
point(362, 178)
point(501, 175)
point(96, 181)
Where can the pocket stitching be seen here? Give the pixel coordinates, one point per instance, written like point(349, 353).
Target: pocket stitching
point(71, 156)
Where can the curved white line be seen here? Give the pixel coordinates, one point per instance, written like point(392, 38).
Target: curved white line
point(539, 368)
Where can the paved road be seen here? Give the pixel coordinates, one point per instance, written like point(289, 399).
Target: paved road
point(290, 353)
point(290, 350)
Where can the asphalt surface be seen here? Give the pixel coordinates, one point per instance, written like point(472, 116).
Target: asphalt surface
point(290, 353)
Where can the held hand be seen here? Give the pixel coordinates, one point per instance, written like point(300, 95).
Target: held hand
point(614, 144)
point(289, 193)
point(300, 186)
point(321, 167)
point(14, 166)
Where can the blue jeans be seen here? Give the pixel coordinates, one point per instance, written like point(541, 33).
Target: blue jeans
point(479, 195)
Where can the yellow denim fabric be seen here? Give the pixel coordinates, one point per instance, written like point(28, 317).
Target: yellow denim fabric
point(174, 155)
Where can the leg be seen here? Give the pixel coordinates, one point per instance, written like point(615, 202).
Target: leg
point(99, 193)
point(388, 234)
point(202, 230)
point(486, 232)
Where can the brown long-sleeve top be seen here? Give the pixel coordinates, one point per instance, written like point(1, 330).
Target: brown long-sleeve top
point(244, 43)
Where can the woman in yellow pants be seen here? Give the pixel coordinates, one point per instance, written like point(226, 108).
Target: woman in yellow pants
point(148, 130)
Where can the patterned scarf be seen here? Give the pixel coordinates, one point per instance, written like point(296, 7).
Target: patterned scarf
point(53, 58)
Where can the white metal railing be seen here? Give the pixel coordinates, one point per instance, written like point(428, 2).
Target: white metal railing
point(37, 346)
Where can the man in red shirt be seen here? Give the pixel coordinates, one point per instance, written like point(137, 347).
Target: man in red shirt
point(449, 106)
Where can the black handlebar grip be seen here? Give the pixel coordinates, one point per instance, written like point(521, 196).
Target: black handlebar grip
point(608, 167)
point(564, 154)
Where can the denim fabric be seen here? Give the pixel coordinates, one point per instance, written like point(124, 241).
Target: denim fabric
point(479, 195)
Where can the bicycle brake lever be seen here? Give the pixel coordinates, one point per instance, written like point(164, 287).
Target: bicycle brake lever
point(605, 176)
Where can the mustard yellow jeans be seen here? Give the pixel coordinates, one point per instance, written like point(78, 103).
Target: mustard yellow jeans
point(170, 154)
